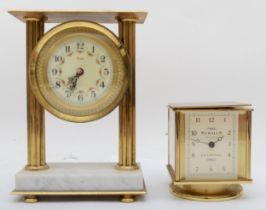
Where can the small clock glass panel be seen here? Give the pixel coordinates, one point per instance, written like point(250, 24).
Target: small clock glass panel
point(80, 70)
point(211, 145)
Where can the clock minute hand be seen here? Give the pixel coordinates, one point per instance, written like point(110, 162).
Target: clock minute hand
point(219, 139)
point(199, 141)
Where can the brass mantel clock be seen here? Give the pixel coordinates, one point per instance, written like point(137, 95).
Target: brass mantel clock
point(80, 71)
point(209, 150)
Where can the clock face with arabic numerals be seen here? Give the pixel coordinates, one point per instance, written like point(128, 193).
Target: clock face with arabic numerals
point(211, 145)
point(79, 71)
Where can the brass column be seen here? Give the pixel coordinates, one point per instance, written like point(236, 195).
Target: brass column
point(127, 116)
point(35, 112)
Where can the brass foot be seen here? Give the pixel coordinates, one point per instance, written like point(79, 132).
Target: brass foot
point(127, 198)
point(31, 198)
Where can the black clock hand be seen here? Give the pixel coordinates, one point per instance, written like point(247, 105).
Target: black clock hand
point(212, 143)
point(72, 81)
point(71, 84)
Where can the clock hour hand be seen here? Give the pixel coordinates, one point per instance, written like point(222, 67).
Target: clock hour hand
point(212, 143)
point(72, 81)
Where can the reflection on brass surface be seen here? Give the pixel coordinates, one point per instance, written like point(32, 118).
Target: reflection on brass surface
point(207, 192)
point(127, 115)
point(35, 112)
point(30, 198)
point(127, 198)
point(137, 192)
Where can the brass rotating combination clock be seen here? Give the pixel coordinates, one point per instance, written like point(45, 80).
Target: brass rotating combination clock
point(80, 71)
point(209, 150)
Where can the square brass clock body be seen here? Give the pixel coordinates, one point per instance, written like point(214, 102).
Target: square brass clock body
point(209, 149)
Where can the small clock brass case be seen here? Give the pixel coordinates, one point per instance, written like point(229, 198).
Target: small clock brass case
point(209, 150)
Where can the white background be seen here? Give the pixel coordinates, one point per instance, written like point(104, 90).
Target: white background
point(186, 51)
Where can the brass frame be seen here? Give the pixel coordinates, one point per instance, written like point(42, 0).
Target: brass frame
point(126, 196)
point(127, 113)
point(35, 112)
point(127, 20)
point(217, 189)
point(38, 71)
point(140, 192)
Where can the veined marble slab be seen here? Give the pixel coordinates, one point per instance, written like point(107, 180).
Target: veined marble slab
point(79, 177)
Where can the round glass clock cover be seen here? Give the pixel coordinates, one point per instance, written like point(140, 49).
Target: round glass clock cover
point(78, 71)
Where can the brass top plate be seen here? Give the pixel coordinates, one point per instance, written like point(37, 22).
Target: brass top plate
point(225, 105)
point(95, 16)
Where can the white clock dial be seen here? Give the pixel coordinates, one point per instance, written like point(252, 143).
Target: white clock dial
point(80, 71)
point(211, 142)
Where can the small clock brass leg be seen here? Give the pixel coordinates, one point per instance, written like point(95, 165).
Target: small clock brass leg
point(127, 198)
point(31, 198)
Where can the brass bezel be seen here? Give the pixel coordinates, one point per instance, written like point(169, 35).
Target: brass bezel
point(38, 70)
point(177, 171)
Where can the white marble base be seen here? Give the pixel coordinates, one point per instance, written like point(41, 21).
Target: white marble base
point(79, 177)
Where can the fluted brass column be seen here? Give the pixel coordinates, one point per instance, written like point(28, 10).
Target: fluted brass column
point(35, 112)
point(127, 116)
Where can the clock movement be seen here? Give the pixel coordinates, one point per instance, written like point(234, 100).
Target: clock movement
point(209, 150)
point(80, 71)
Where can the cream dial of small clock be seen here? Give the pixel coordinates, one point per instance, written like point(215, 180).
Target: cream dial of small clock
point(80, 71)
point(211, 142)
